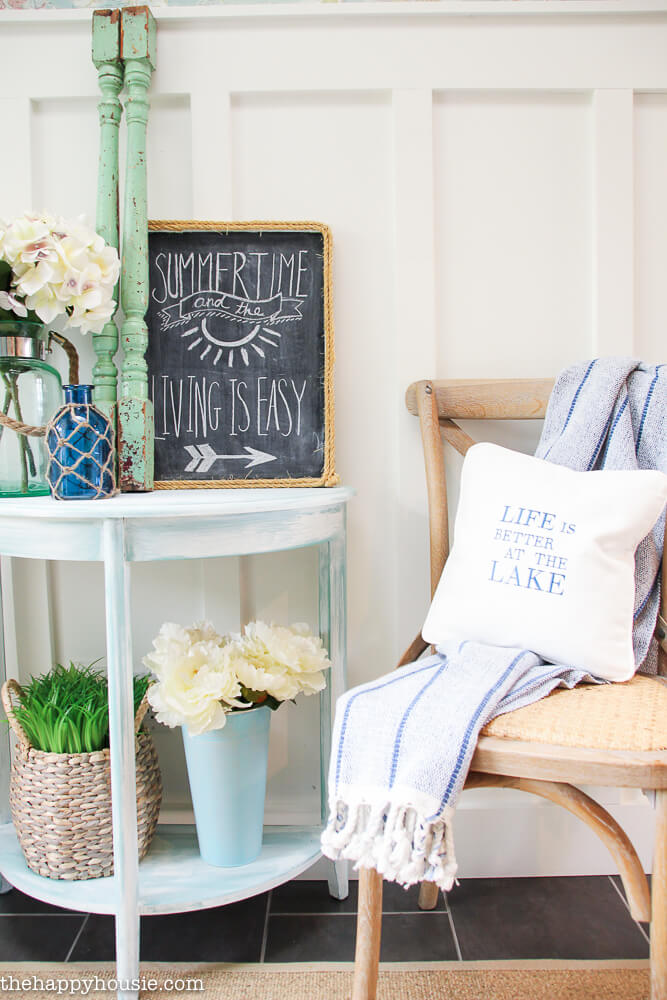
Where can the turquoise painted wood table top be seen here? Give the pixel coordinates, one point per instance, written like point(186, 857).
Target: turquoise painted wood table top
point(179, 524)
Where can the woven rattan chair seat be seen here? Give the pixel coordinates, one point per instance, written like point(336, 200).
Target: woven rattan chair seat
point(628, 716)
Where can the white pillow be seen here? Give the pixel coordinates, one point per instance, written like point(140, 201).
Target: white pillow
point(543, 559)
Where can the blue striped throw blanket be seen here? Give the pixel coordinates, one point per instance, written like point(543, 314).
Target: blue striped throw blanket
point(402, 744)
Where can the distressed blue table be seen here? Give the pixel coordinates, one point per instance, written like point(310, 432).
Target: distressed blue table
point(183, 524)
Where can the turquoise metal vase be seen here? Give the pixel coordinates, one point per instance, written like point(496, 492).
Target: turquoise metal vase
point(227, 774)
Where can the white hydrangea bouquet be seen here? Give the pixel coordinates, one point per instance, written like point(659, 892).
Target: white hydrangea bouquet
point(202, 676)
point(50, 267)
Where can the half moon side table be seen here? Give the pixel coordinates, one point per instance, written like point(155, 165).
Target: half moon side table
point(183, 524)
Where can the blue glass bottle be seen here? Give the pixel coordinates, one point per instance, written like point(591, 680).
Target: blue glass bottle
point(80, 446)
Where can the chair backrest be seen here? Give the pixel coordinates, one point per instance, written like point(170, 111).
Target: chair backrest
point(438, 404)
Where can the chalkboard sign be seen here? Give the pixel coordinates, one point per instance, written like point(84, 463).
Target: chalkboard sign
point(240, 354)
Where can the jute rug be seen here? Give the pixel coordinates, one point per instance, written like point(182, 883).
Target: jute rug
point(430, 981)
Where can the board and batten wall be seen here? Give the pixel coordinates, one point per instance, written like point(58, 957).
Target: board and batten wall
point(495, 177)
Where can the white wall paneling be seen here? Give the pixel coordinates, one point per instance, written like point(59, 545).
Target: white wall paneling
point(416, 338)
point(650, 205)
point(211, 153)
point(16, 114)
point(513, 196)
point(494, 176)
point(8, 618)
point(613, 222)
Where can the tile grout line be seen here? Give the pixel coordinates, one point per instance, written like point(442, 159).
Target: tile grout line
point(265, 932)
point(76, 939)
point(623, 899)
point(450, 916)
point(625, 904)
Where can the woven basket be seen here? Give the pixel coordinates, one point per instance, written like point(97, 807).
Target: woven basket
point(61, 802)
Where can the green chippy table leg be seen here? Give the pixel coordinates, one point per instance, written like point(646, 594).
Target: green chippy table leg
point(135, 411)
point(106, 58)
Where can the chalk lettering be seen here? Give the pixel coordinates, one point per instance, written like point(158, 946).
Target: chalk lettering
point(299, 397)
point(238, 267)
point(160, 296)
point(205, 260)
point(260, 400)
point(249, 275)
point(213, 411)
point(301, 270)
point(283, 382)
point(177, 419)
point(259, 270)
point(191, 379)
point(241, 398)
point(220, 268)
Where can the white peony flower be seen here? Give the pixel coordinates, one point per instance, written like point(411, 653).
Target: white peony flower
point(201, 675)
point(282, 661)
point(195, 685)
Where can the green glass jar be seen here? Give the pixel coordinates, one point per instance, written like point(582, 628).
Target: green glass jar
point(30, 392)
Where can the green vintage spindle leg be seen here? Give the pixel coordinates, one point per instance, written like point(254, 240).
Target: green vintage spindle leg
point(135, 411)
point(106, 57)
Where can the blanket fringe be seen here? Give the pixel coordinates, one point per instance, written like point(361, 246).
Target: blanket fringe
point(394, 839)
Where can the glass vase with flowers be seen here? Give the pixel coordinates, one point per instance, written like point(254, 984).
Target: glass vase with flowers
point(221, 689)
point(50, 269)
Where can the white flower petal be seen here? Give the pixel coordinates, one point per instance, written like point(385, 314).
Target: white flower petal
point(9, 301)
point(61, 267)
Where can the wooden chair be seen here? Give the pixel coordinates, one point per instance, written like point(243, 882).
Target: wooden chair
point(550, 747)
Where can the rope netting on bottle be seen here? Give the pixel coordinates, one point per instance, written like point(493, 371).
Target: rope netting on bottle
point(76, 456)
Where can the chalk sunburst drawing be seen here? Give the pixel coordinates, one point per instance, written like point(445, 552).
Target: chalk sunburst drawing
point(258, 332)
point(216, 325)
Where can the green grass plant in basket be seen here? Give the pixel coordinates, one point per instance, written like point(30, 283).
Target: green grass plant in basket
point(67, 710)
point(60, 791)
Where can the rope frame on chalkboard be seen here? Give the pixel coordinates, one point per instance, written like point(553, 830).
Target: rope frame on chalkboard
point(329, 476)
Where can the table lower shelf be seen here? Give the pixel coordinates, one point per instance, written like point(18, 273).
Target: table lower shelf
point(172, 877)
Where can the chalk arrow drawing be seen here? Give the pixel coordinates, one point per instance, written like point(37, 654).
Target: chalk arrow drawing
point(204, 456)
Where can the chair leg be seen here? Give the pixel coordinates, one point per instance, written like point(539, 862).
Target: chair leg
point(428, 896)
point(659, 902)
point(369, 930)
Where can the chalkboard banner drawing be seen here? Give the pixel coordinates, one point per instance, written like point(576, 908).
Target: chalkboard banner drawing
point(240, 354)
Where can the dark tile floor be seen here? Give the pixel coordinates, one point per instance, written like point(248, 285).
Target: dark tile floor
point(482, 919)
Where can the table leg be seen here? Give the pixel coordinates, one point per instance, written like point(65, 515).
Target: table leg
point(333, 631)
point(5, 751)
point(121, 741)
